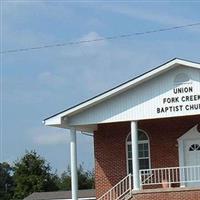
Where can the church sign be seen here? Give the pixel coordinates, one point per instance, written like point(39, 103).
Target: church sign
point(182, 99)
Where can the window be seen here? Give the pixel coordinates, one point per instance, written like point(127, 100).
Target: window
point(181, 78)
point(143, 151)
point(194, 147)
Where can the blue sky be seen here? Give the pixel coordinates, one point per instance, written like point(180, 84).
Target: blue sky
point(39, 83)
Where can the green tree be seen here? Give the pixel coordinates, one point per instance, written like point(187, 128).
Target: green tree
point(85, 179)
point(65, 180)
point(6, 181)
point(33, 174)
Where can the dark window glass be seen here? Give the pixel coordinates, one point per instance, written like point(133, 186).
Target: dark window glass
point(130, 169)
point(143, 151)
point(144, 163)
point(142, 136)
point(194, 147)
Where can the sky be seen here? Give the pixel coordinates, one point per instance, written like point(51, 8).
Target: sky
point(39, 83)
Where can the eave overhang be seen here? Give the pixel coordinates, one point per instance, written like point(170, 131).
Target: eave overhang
point(60, 119)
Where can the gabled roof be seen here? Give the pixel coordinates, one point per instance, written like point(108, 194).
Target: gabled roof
point(56, 119)
point(192, 133)
point(58, 195)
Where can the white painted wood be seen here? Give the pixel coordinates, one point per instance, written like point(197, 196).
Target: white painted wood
point(74, 177)
point(192, 158)
point(142, 101)
point(119, 191)
point(171, 175)
point(189, 158)
point(181, 161)
point(135, 161)
point(144, 95)
point(193, 133)
point(52, 121)
point(139, 142)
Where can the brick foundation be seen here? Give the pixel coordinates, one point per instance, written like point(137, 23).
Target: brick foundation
point(110, 148)
point(169, 194)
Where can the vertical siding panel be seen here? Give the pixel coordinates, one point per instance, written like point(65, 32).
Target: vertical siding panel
point(139, 102)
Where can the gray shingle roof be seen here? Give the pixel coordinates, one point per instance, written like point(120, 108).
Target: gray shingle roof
point(60, 195)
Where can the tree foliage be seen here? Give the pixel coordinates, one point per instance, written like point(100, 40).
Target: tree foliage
point(33, 174)
point(6, 181)
point(65, 180)
point(85, 179)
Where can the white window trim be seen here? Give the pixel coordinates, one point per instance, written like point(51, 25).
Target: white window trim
point(178, 83)
point(139, 142)
point(191, 134)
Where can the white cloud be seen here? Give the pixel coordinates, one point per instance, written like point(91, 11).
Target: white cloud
point(55, 136)
point(93, 36)
point(90, 49)
point(49, 136)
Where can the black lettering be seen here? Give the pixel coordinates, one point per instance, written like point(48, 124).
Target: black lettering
point(182, 90)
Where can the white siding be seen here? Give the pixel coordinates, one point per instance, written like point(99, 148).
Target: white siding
point(141, 102)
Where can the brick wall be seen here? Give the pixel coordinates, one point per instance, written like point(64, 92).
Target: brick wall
point(110, 154)
point(172, 194)
point(163, 134)
point(110, 149)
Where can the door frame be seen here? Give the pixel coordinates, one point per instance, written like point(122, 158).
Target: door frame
point(191, 134)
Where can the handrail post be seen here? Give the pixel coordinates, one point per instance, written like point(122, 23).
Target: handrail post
point(169, 178)
point(182, 176)
point(117, 192)
point(140, 174)
point(130, 184)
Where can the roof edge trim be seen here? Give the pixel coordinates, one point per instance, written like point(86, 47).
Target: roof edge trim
point(120, 88)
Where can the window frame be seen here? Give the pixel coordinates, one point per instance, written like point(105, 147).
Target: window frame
point(139, 142)
point(178, 83)
point(194, 147)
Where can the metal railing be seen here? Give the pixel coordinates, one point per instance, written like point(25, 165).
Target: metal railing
point(171, 175)
point(121, 191)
